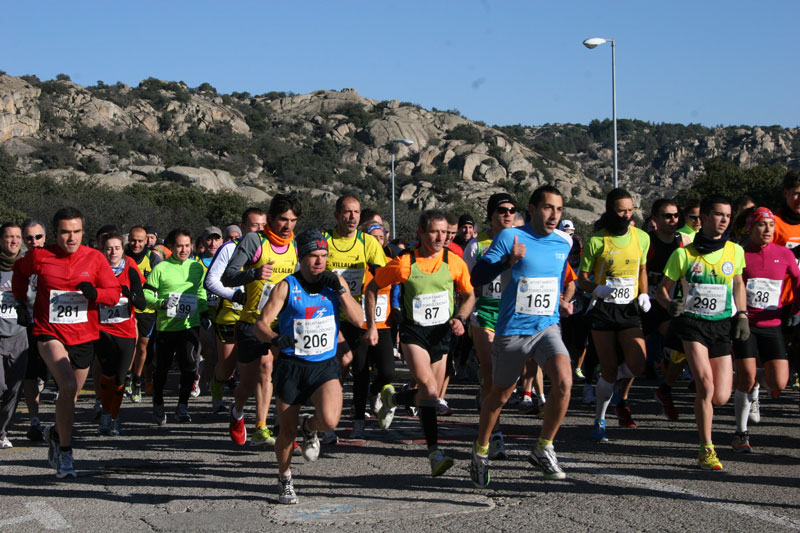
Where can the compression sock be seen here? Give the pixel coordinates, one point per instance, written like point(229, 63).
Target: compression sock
point(116, 400)
point(217, 389)
point(741, 404)
point(753, 395)
point(481, 450)
point(605, 391)
point(107, 387)
point(427, 417)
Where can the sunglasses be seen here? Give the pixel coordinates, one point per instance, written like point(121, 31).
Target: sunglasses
point(694, 217)
point(506, 210)
point(669, 215)
point(34, 237)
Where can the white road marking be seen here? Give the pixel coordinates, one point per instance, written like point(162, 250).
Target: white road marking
point(39, 512)
point(686, 494)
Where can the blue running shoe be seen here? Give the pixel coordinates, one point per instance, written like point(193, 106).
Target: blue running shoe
point(599, 431)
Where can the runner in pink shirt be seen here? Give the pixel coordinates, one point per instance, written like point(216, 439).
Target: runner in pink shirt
point(767, 266)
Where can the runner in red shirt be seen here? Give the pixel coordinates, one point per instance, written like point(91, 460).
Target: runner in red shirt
point(72, 281)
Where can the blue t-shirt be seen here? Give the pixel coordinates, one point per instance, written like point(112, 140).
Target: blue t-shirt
point(529, 303)
point(312, 320)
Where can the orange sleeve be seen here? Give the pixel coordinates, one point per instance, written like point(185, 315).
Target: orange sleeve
point(570, 276)
point(460, 274)
point(396, 271)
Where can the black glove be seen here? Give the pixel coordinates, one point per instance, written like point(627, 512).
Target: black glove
point(675, 307)
point(87, 289)
point(23, 317)
point(282, 341)
point(395, 317)
point(127, 293)
point(331, 280)
point(741, 330)
point(238, 297)
point(205, 320)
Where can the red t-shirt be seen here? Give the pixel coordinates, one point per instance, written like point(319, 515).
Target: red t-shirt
point(110, 316)
point(65, 317)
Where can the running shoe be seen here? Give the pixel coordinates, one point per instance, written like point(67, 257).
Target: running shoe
point(440, 463)
point(479, 469)
point(182, 413)
point(53, 449)
point(310, 441)
point(98, 411)
point(105, 424)
point(358, 430)
point(159, 416)
point(526, 406)
point(286, 493)
point(539, 411)
point(386, 412)
point(375, 404)
point(195, 387)
point(755, 411)
point(330, 437)
point(624, 417)
point(547, 461)
point(513, 399)
point(65, 465)
point(665, 399)
point(708, 460)
point(218, 406)
point(741, 442)
point(262, 437)
point(5, 444)
point(795, 381)
point(237, 430)
point(128, 384)
point(588, 394)
point(116, 427)
point(599, 431)
point(35, 432)
point(136, 392)
point(497, 447)
point(297, 451)
point(442, 409)
point(579, 373)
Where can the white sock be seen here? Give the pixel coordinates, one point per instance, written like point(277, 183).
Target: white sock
point(541, 399)
point(741, 403)
point(604, 391)
point(753, 395)
point(237, 414)
point(623, 372)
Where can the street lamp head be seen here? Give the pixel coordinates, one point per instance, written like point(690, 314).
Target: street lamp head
point(594, 42)
point(407, 142)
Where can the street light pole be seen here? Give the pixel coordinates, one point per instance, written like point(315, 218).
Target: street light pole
point(594, 42)
point(406, 142)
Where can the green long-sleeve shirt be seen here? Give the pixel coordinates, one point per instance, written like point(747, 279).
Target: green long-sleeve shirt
point(184, 279)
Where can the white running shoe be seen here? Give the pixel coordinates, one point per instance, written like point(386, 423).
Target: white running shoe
point(547, 461)
point(310, 441)
point(286, 493)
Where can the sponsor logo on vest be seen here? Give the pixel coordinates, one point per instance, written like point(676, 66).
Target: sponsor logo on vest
point(727, 268)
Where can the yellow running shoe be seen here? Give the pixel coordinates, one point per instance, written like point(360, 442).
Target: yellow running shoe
point(708, 460)
point(262, 437)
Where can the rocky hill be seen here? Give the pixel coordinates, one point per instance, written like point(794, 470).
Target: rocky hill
point(322, 143)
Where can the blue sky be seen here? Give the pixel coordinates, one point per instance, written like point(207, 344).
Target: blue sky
point(708, 62)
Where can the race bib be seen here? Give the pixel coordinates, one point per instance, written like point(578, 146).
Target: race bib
point(314, 336)
point(763, 293)
point(7, 309)
point(623, 290)
point(262, 301)
point(381, 308)
point(68, 307)
point(537, 296)
point(431, 309)
point(706, 299)
point(213, 299)
point(493, 289)
point(354, 278)
point(187, 305)
point(114, 314)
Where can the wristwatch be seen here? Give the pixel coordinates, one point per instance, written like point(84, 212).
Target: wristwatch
point(745, 313)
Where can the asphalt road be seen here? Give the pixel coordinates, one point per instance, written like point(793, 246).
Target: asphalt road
point(190, 477)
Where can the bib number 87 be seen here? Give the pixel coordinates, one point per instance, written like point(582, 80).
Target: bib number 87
point(431, 313)
point(315, 341)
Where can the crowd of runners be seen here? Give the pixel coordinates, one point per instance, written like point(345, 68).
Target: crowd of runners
point(707, 289)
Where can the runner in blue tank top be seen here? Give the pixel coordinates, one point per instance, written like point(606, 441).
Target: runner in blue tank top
point(306, 305)
point(528, 325)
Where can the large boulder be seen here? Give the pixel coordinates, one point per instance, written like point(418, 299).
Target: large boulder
point(19, 108)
